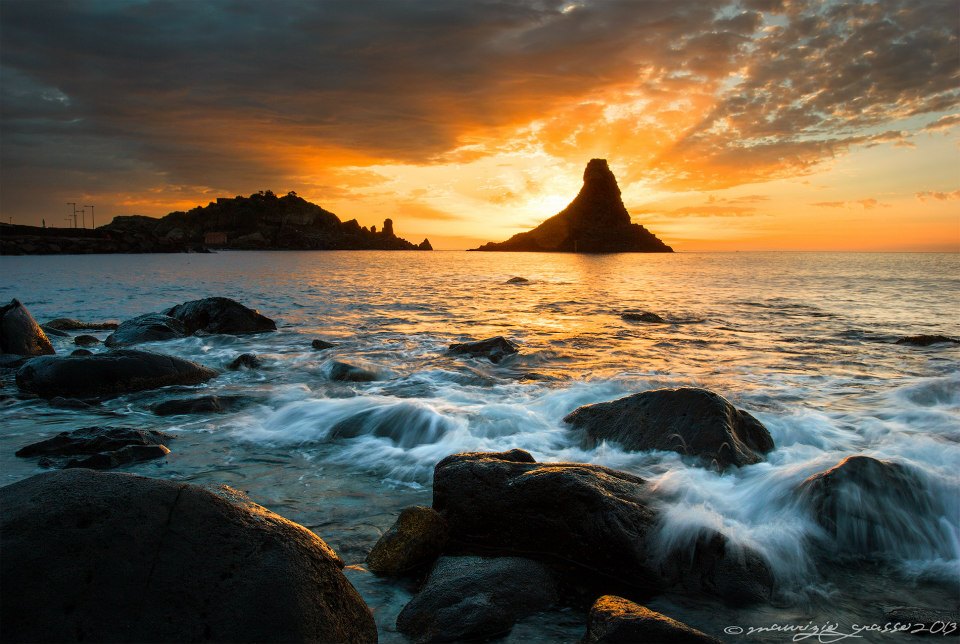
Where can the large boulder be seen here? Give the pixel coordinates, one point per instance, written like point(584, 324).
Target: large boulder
point(694, 422)
point(494, 349)
point(152, 327)
point(615, 620)
point(107, 374)
point(220, 315)
point(114, 557)
point(20, 334)
point(412, 543)
point(470, 598)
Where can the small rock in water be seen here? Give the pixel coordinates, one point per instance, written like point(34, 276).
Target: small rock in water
point(86, 341)
point(220, 315)
point(518, 280)
point(101, 447)
point(414, 541)
point(201, 405)
point(615, 620)
point(81, 352)
point(122, 456)
point(20, 334)
point(467, 598)
point(245, 361)
point(70, 324)
point(344, 372)
point(496, 349)
point(320, 345)
point(152, 327)
point(927, 340)
point(642, 317)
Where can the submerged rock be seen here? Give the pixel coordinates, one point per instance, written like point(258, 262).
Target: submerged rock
point(344, 372)
point(468, 598)
point(200, 405)
point(20, 334)
point(320, 345)
point(927, 340)
point(93, 440)
point(642, 317)
point(694, 422)
point(116, 557)
point(413, 542)
point(220, 315)
point(496, 349)
point(245, 361)
point(86, 341)
point(615, 620)
point(152, 327)
point(122, 456)
point(518, 280)
point(107, 374)
point(70, 324)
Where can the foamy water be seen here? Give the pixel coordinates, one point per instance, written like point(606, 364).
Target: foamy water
point(802, 341)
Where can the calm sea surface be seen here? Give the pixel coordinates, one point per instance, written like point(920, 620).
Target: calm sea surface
point(803, 341)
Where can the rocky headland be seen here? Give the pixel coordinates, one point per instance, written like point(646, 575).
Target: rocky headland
point(262, 221)
point(596, 221)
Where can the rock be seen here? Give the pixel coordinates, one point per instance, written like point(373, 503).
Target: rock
point(93, 440)
point(220, 315)
point(122, 456)
point(694, 422)
point(874, 507)
point(320, 345)
point(70, 324)
point(152, 327)
point(245, 361)
point(927, 340)
point(924, 621)
point(424, 245)
point(642, 317)
point(615, 620)
point(115, 557)
point(20, 334)
point(201, 405)
point(12, 360)
point(595, 222)
point(413, 542)
point(469, 598)
point(86, 341)
point(54, 332)
point(344, 372)
point(518, 280)
point(107, 374)
point(81, 352)
point(496, 349)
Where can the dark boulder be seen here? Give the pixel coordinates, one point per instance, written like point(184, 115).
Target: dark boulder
point(642, 317)
point(496, 349)
point(152, 327)
point(927, 340)
point(469, 598)
point(50, 331)
point(100, 556)
point(320, 345)
point(70, 324)
point(343, 372)
point(93, 440)
point(413, 542)
point(518, 280)
point(201, 405)
point(694, 422)
point(86, 341)
point(107, 374)
point(245, 361)
point(615, 620)
point(220, 315)
point(20, 334)
point(81, 352)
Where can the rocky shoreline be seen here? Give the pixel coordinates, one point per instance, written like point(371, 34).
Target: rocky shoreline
point(112, 556)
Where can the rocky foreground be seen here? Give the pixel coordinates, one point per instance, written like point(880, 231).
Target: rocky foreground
point(261, 221)
point(102, 556)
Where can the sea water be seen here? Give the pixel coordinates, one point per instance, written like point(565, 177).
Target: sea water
point(803, 341)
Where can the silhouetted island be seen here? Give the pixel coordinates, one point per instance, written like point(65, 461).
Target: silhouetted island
point(595, 222)
point(261, 221)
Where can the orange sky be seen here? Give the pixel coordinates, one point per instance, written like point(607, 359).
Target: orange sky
point(730, 125)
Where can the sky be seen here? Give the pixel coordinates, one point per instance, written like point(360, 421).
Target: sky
point(730, 124)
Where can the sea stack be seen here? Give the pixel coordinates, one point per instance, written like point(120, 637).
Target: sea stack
point(595, 222)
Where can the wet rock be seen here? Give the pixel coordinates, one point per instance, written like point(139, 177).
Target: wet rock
point(201, 405)
point(496, 349)
point(50, 331)
point(152, 327)
point(518, 280)
point(320, 345)
point(81, 352)
point(467, 598)
point(86, 341)
point(93, 440)
point(927, 340)
point(642, 317)
point(122, 456)
point(70, 324)
point(115, 557)
point(20, 334)
point(245, 361)
point(343, 372)
point(106, 374)
point(870, 506)
point(690, 421)
point(413, 542)
point(220, 315)
point(615, 620)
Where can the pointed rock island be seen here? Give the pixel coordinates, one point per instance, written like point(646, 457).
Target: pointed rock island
point(595, 222)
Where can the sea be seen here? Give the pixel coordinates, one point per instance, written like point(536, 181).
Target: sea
point(803, 341)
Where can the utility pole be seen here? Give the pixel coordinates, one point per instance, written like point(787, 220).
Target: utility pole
point(83, 217)
point(93, 222)
point(74, 204)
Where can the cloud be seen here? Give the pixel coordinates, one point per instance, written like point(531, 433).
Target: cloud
point(943, 123)
point(866, 204)
point(939, 196)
